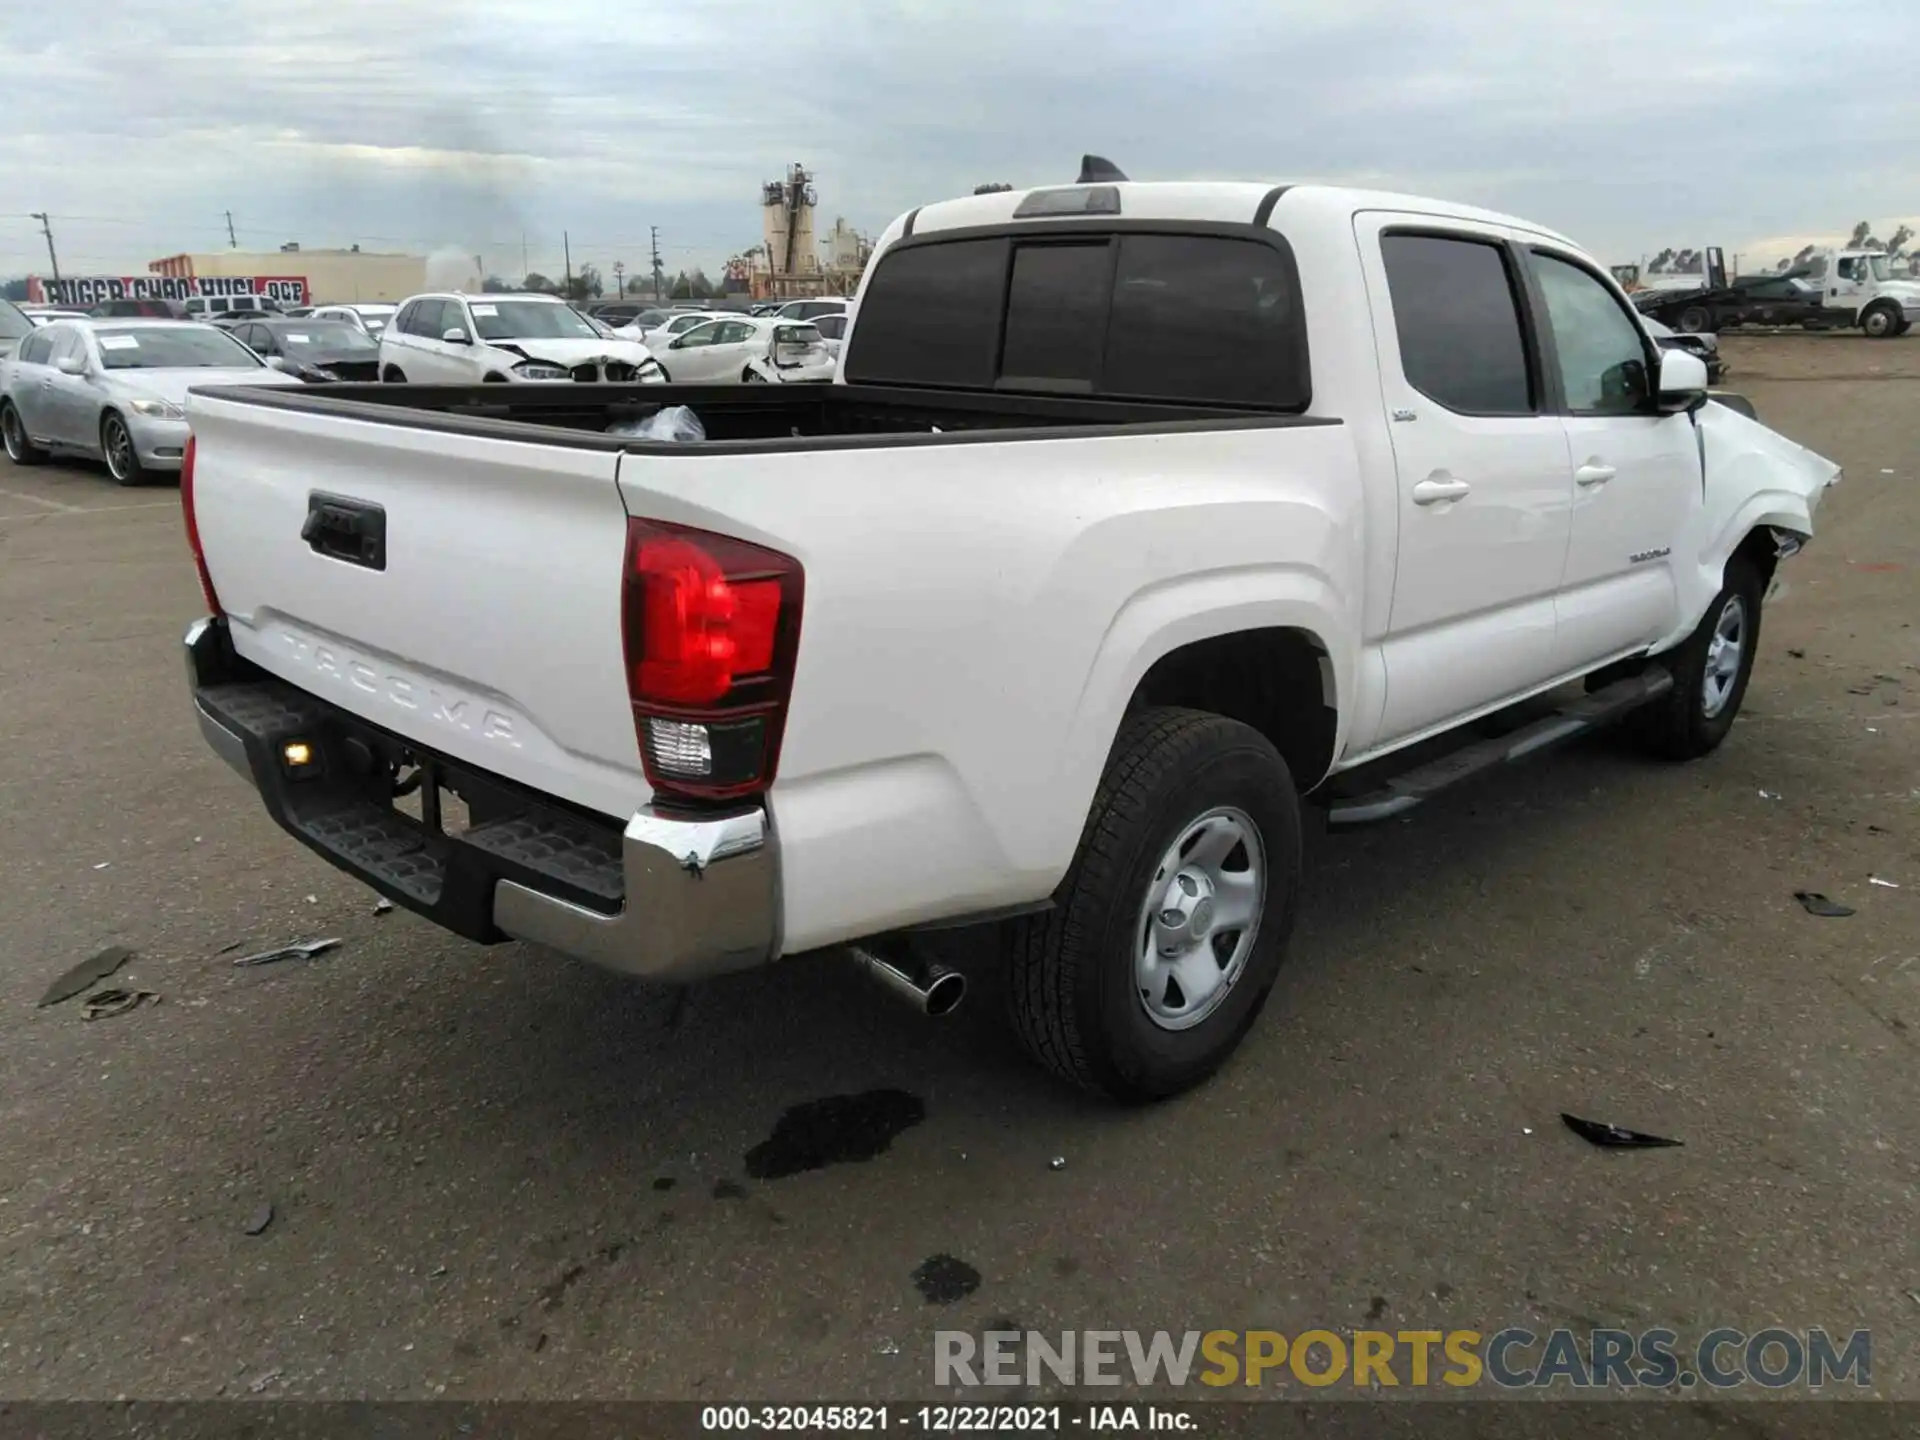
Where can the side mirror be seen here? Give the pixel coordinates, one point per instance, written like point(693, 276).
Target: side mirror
point(70, 365)
point(276, 362)
point(455, 336)
point(1683, 382)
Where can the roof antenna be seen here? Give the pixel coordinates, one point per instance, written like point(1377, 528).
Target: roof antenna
point(1098, 170)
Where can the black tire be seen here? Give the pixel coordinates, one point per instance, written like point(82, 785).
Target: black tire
point(1694, 320)
point(665, 378)
point(1904, 326)
point(1881, 321)
point(494, 377)
point(393, 375)
point(1683, 724)
point(13, 430)
point(750, 376)
point(1072, 991)
point(116, 446)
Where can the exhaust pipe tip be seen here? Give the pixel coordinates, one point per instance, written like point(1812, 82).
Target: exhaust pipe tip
point(932, 989)
point(944, 994)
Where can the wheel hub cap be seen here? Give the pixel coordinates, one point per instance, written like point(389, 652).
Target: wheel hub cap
point(1724, 651)
point(1199, 919)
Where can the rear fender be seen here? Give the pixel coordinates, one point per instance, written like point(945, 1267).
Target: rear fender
point(1161, 619)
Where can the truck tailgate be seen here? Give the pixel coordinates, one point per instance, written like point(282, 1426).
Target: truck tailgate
point(492, 631)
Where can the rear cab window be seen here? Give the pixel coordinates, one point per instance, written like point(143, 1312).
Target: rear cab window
point(1139, 314)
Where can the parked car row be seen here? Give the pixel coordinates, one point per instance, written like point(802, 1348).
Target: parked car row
point(453, 338)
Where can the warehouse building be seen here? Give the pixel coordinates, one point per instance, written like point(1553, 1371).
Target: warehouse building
point(334, 277)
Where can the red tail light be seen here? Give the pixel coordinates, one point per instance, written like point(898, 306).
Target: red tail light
point(710, 627)
point(193, 531)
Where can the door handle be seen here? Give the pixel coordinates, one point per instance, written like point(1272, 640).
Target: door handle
point(1590, 475)
point(1432, 492)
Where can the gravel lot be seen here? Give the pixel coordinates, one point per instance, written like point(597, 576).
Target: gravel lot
point(495, 1173)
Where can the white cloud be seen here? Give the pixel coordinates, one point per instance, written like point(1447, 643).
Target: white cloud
point(429, 123)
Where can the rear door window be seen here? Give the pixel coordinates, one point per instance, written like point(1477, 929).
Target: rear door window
point(1457, 316)
point(1182, 317)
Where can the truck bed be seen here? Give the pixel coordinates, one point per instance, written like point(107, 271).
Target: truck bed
point(749, 418)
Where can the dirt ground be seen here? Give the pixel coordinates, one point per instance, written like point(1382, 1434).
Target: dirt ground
point(496, 1173)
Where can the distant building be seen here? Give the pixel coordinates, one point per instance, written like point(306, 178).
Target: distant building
point(845, 248)
point(333, 276)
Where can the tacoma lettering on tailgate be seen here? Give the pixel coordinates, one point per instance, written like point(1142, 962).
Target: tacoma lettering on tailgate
point(440, 706)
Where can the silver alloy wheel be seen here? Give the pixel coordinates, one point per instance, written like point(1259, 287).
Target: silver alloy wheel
point(15, 437)
point(1878, 324)
point(1200, 918)
point(118, 447)
point(1724, 650)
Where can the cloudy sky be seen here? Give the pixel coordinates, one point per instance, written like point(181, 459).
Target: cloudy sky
point(470, 124)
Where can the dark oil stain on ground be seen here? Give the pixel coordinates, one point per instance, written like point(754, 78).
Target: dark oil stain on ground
point(941, 1279)
point(729, 1190)
point(664, 1183)
point(839, 1130)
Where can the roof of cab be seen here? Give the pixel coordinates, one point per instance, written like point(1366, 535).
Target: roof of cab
point(1229, 202)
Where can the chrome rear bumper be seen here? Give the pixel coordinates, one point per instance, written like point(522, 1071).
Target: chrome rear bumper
point(667, 898)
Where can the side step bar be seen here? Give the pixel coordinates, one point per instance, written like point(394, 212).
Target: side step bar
point(1407, 790)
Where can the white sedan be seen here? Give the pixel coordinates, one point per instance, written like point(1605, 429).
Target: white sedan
point(741, 349)
point(671, 328)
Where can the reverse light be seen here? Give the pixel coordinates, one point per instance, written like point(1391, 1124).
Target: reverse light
point(710, 627)
point(193, 531)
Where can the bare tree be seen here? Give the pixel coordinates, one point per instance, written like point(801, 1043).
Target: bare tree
point(1897, 246)
point(1862, 235)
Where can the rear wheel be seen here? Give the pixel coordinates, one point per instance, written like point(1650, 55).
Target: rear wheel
point(20, 449)
point(116, 444)
point(1168, 931)
point(1694, 320)
point(394, 375)
point(750, 376)
point(1710, 673)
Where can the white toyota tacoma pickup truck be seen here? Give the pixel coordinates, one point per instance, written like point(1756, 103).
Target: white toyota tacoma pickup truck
point(1138, 512)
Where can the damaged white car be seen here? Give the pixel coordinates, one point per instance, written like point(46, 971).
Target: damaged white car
point(457, 339)
point(751, 351)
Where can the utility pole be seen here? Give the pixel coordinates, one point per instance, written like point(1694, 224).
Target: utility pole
point(654, 230)
point(619, 284)
point(566, 246)
point(46, 229)
point(523, 255)
point(232, 244)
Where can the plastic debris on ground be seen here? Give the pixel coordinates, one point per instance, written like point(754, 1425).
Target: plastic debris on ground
point(383, 906)
point(1770, 795)
point(1814, 903)
point(1059, 1162)
point(260, 1219)
point(1884, 884)
point(673, 422)
point(305, 950)
point(94, 968)
point(1614, 1137)
point(104, 1003)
